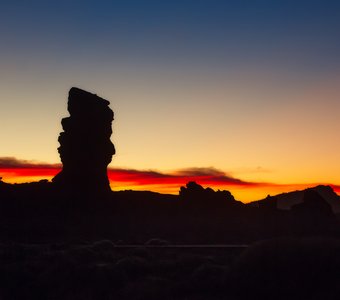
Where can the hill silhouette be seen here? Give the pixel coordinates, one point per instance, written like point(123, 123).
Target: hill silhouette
point(80, 204)
point(39, 212)
point(287, 200)
point(73, 238)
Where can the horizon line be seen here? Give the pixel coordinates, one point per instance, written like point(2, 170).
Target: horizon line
point(14, 170)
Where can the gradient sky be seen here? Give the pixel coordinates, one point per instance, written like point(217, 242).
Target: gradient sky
point(250, 88)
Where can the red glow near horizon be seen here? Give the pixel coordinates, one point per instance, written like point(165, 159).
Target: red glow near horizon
point(121, 179)
point(28, 172)
point(149, 177)
point(336, 188)
point(128, 177)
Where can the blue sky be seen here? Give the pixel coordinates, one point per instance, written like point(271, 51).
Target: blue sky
point(206, 33)
point(233, 85)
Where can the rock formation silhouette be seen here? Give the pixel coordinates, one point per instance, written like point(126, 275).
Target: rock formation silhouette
point(85, 146)
point(197, 195)
point(313, 205)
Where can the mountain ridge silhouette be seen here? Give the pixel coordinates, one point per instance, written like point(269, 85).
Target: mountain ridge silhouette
point(79, 202)
point(288, 199)
point(71, 238)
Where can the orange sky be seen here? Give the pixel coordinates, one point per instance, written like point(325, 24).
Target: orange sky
point(17, 171)
point(249, 89)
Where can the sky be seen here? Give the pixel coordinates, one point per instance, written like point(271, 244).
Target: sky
point(246, 90)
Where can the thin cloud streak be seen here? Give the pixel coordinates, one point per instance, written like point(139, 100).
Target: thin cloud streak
point(14, 163)
point(201, 175)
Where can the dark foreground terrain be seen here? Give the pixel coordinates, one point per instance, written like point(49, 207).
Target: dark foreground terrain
point(57, 244)
point(41, 213)
point(285, 268)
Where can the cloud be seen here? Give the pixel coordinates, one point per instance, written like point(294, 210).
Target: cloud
point(14, 163)
point(256, 170)
point(16, 170)
point(180, 177)
point(11, 166)
point(200, 172)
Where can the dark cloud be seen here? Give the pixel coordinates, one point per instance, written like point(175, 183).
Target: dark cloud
point(199, 172)
point(201, 175)
point(133, 173)
point(14, 163)
point(205, 176)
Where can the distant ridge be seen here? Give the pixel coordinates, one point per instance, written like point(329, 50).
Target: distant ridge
point(287, 200)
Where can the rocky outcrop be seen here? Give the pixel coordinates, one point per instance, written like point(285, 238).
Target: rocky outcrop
point(196, 195)
point(85, 146)
point(286, 201)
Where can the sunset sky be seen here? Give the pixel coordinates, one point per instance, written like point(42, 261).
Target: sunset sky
point(237, 95)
